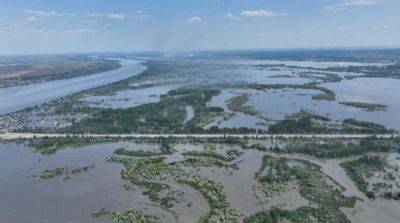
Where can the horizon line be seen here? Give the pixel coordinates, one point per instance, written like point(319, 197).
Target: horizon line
point(394, 47)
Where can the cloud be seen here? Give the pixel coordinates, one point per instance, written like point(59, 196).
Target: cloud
point(330, 7)
point(258, 14)
point(193, 20)
point(16, 31)
point(78, 31)
point(121, 16)
point(231, 16)
point(31, 18)
point(38, 13)
point(351, 3)
point(360, 2)
point(117, 16)
point(89, 21)
point(261, 14)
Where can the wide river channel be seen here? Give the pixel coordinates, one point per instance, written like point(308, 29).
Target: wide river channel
point(13, 99)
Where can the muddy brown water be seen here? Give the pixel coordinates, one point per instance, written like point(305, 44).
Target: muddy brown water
point(25, 198)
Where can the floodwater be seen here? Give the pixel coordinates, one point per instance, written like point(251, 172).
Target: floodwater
point(371, 90)
point(276, 104)
point(189, 113)
point(238, 183)
point(239, 119)
point(25, 198)
point(17, 98)
point(311, 63)
point(273, 105)
point(129, 98)
point(366, 210)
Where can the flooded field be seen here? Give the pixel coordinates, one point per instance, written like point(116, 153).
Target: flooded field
point(76, 197)
point(275, 90)
point(129, 98)
point(58, 200)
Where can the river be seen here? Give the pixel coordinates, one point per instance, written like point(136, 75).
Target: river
point(16, 98)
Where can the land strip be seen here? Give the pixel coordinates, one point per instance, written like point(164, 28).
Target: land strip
point(7, 136)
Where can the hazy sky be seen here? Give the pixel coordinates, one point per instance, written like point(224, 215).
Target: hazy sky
point(54, 26)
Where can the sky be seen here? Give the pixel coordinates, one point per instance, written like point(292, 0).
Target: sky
point(74, 26)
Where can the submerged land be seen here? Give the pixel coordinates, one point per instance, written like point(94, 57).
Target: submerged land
point(205, 179)
point(232, 136)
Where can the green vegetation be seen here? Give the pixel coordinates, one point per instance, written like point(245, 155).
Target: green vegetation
point(375, 175)
point(209, 152)
point(50, 145)
point(273, 183)
point(302, 125)
point(137, 153)
point(50, 173)
point(166, 116)
point(324, 77)
point(153, 175)
point(165, 149)
point(216, 197)
point(325, 94)
point(234, 153)
point(133, 216)
point(356, 126)
point(274, 176)
point(142, 172)
point(364, 105)
point(100, 213)
point(300, 215)
point(388, 71)
point(303, 122)
point(337, 149)
point(208, 157)
point(307, 122)
point(237, 104)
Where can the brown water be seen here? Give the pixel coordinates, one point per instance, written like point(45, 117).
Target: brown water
point(31, 199)
point(25, 198)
